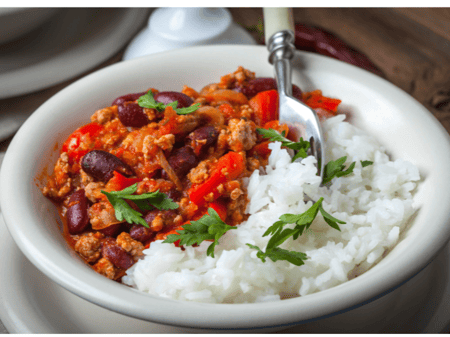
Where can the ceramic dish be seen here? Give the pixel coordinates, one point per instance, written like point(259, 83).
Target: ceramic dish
point(72, 42)
point(400, 123)
point(32, 303)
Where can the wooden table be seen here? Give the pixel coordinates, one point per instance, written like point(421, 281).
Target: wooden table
point(410, 45)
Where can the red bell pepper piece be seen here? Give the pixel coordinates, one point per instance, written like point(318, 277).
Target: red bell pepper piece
point(118, 182)
point(275, 125)
point(265, 106)
point(220, 208)
point(86, 136)
point(260, 150)
point(229, 167)
point(314, 99)
point(228, 111)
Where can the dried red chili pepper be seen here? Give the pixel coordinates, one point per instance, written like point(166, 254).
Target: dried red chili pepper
point(320, 41)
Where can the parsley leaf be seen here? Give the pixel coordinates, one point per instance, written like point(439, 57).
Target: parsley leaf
point(208, 227)
point(301, 146)
point(279, 234)
point(276, 254)
point(336, 168)
point(145, 201)
point(330, 220)
point(187, 110)
point(149, 102)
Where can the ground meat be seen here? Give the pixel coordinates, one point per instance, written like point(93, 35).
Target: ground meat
point(157, 224)
point(242, 134)
point(148, 146)
point(133, 247)
point(88, 246)
point(61, 185)
point(105, 268)
point(85, 178)
point(104, 115)
point(236, 193)
point(151, 114)
point(253, 164)
point(187, 208)
point(153, 185)
point(246, 112)
point(236, 79)
point(200, 173)
point(117, 135)
point(236, 209)
point(93, 191)
point(102, 215)
point(166, 142)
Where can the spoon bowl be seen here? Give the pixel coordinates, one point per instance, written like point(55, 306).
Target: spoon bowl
point(301, 119)
point(303, 123)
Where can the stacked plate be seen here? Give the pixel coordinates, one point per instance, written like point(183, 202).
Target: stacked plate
point(43, 47)
point(68, 42)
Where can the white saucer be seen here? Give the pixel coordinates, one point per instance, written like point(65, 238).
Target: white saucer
point(72, 42)
point(32, 303)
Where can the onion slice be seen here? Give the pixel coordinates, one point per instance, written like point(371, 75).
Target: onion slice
point(170, 172)
point(211, 115)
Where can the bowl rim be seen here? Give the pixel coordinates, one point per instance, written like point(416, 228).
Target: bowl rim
point(134, 303)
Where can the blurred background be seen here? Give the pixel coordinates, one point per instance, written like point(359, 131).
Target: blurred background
point(43, 50)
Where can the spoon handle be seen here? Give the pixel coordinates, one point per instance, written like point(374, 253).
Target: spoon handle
point(277, 19)
point(279, 33)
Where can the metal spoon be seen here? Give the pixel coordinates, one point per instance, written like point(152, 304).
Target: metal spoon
point(301, 119)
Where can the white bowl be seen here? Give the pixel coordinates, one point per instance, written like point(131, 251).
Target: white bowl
point(401, 124)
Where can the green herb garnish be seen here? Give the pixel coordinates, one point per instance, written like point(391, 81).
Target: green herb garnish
point(148, 101)
point(336, 168)
point(301, 146)
point(208, 227)
point(145, 201)
point(280, 234)
point(365, 163)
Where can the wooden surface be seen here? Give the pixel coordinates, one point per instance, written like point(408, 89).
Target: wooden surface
point(410, 45)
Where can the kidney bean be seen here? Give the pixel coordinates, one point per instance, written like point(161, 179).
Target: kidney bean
point(150, 216)
point(77, 212)
point(169, 215)
point(112, 231)
point(127, 98)
point(131, 114)
point(182, 160)
point(101, 165)
point(116, 254)
point(141, 233)
point(208, 133)
point(260, 84)
point(167, 97)
point(174, 194)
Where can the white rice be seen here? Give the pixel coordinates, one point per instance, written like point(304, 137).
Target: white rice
point(375, 202)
